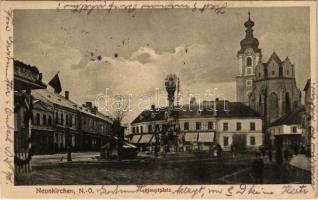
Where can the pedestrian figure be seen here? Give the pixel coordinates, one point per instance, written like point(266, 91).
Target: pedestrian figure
point(233, 150)
point(219, 151)
point(263, 151)
point(270, 155)
point(258, 168)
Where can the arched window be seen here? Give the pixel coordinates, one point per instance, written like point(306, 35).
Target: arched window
point(66, 120)
point(56, 118)
point(49, 122)
point(280, 71)
point(273, 107)
point(248, 61)
point(62, 119)
point(44, 120)
point(38, 119)
point(287, 104)
point(71, 120)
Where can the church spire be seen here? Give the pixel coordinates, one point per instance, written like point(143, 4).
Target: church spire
point(249, 41)
point(249, 24)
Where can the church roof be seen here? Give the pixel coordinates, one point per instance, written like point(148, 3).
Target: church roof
point(249, 41)
point(274, 57)
point(292, 118)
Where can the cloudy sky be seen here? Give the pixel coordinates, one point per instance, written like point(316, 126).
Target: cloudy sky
point(133, 52)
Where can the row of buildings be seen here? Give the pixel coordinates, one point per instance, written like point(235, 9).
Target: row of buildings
point(268, 111)
point(58, 123)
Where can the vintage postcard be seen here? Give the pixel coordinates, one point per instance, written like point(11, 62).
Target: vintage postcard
point(158, 99)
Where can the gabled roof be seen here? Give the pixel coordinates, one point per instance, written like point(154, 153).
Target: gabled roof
point(292, 118)
point(274, 57)
point(54, 98)
point(232, 110)
point(57, 99)
point(149, 115)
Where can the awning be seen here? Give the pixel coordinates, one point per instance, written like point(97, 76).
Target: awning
point(135, 139)
point(145, 139)
point(127, 146)
point(206, 137)
point(191, 137)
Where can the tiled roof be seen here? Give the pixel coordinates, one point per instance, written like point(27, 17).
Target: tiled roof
point(57, 99)
point(292, 118)
point(233, 109)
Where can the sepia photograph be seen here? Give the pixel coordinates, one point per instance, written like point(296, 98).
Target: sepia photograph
point(181, 95)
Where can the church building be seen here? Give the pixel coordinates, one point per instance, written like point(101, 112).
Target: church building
point(268, 88)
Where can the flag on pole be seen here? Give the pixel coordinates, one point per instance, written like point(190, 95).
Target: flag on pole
point(56, 84)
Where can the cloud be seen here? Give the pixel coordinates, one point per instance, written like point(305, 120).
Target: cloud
point(143, 72)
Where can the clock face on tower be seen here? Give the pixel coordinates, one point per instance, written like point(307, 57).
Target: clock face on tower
point(249, 52)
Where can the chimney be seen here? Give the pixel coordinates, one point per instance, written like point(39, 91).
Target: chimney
point(94, 110)
point(67, 95)
point(89, 105)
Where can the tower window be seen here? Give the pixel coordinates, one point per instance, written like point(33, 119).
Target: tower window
point(273, 72)
point(248, 61)
point(249, 83)
point(249, 71)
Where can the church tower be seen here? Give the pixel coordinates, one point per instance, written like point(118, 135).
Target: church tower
point(248, 57)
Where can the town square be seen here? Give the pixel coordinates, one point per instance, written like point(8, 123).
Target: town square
point(162, 97)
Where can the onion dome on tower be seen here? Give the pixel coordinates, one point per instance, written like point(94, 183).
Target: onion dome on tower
point(249, 41)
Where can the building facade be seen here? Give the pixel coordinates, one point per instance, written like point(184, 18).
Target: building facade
point(288, 132)
point(268, 88)
point(59, 124)
point(248, 57)
point(201, 127)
